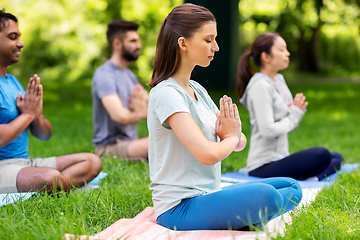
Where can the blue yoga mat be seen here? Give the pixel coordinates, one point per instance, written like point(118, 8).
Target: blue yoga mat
point(98, 178)
point(236, 177)
point(7, 198)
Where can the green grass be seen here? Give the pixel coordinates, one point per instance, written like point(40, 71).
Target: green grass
point(332, 120)
point(123, 194)
point(335, 214)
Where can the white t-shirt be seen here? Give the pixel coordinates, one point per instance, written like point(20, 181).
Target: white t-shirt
point(175, 173)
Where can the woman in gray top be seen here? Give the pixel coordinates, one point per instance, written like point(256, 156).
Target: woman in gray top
point(274, 113)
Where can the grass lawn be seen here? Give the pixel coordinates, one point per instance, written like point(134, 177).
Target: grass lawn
point(332, 120)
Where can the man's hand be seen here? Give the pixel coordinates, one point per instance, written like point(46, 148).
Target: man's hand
point(30, 106)
point(139, 101)
point(135, 111)
point(32, 103)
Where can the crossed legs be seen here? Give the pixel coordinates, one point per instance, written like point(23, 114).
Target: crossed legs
point(71, 171)
point(129, 150)
point(301, 165)
point(236, 206)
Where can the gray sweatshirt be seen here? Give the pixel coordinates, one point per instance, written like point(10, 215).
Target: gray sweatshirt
point(272, 117)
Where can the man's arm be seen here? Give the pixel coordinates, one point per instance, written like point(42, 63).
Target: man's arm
point(10, 131)
point(30, 108)
point(137, 107)
point(41, 128)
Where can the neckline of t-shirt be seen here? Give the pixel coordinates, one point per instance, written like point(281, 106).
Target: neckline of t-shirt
point(6, 77)
point(196, 95)
point(117, 67)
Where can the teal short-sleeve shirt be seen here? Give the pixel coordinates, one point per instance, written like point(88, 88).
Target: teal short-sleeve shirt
point(175, 173)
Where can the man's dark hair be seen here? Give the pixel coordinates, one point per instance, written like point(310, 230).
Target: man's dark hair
point(118, 28)
point(4, 18)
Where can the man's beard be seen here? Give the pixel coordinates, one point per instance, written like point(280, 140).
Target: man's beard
point(130, 56)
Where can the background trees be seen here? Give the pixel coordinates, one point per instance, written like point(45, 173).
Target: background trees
point(322, 35)
point(65, 39)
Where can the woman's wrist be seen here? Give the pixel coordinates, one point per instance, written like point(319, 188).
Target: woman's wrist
point(241, 143)
point(231, 141)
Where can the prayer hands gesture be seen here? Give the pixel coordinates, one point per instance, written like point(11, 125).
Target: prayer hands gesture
point(299, 101)
point(228, 123)
point(32, 103)
point(139, 100)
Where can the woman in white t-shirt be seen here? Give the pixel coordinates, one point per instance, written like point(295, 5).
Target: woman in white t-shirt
point(185, 126)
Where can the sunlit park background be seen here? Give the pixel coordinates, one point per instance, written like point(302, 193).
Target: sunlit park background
point(65, 42)
point(65, 39)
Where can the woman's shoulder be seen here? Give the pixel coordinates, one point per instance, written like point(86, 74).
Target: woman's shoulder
point(260, 80)
point(260, 85)
point(279, 77)
point(197, 86)
point(168, 83)
point(167, 87)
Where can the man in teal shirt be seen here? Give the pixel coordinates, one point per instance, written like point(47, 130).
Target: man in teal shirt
point(21, 110)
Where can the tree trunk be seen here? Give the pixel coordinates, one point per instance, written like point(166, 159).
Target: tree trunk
point(314, 53)
point(303, 49)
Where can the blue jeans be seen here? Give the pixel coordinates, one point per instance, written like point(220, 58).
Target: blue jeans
point(301, 165)
point(236, 206)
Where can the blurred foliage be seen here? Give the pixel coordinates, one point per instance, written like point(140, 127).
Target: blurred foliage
point(65, 40)
point(322, 35)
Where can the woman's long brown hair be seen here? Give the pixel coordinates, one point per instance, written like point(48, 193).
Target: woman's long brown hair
point(245, 71)
point(182, 21)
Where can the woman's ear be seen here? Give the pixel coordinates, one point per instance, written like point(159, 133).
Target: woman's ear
point(182, 43)
point(265, 58)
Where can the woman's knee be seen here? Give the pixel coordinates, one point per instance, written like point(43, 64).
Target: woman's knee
point(337, 157)
point(323, 153)
point(289, 190)
point(295, 196)
point(271, 201)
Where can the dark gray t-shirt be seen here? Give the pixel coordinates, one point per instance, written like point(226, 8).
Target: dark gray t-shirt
point(110, 79)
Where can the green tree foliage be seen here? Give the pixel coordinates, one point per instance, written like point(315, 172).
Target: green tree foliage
point(322, 35)
point(65, 40)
